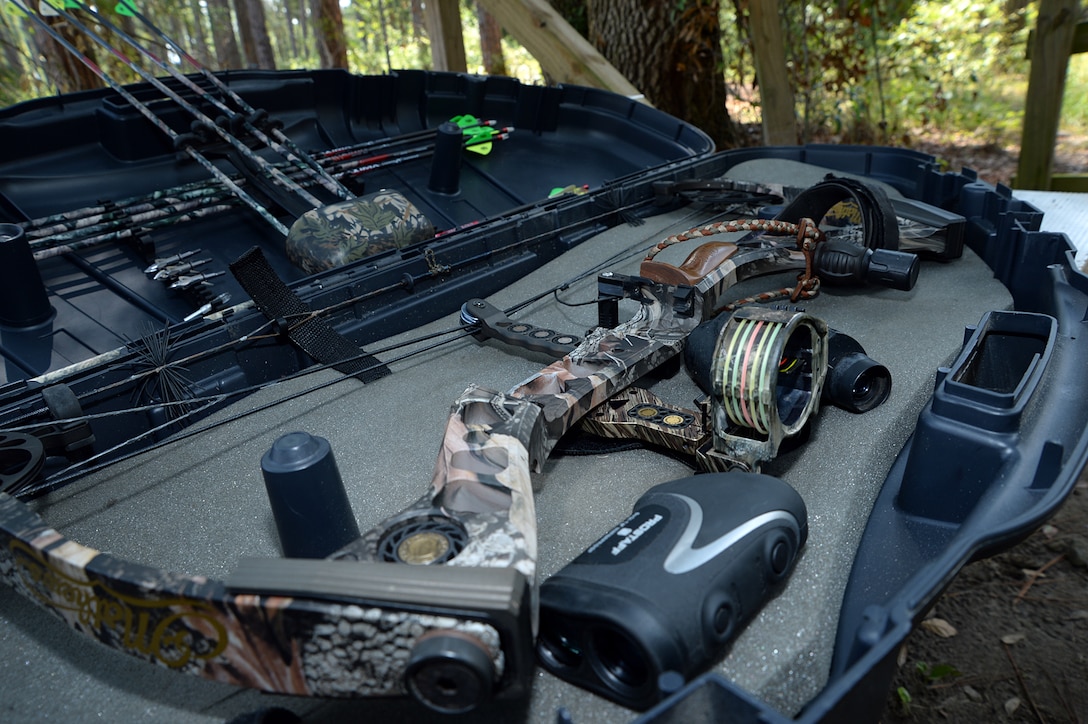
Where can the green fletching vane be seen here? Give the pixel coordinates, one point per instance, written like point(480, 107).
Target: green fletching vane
point(465, 121)
point(477, 139)
point(123, 8)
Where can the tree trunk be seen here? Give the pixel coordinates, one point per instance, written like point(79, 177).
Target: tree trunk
point(673, 56)
point(775, 92)
point(66, 70)
point(419, 20)
point(490, 42)
point(226, 44)
point(444, 31)
point(200, 49)
point(329, 34)
point(292, 15)
point(254, 32)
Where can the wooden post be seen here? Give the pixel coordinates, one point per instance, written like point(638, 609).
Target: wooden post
point(563, 54)
point(444, 28)
point(776, 95)
point(1051, 46)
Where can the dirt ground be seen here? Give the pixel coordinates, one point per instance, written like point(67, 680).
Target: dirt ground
point(997, 163)
point(1008, 640)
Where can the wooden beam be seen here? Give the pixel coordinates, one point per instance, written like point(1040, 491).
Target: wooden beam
point(775, 92)
point(563, 54)
point(1053, 42)
point(443, 19)
point(1072, 182)
point(1080, 40)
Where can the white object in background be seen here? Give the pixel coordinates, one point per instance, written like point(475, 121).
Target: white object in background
point(1063, 212)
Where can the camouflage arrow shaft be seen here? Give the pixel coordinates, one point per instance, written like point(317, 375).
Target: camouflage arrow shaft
point(291, 148)
point(74, 215)
point(207, 123)
point(135, 214)
point(323, 178)
point(125, 230)
point(150, 115)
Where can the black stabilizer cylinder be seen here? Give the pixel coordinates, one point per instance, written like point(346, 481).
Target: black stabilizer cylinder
point(842, 262)
point(312, 511)
point(855, 382)
point(699, 351)
point(446, 161)
point(24, 301)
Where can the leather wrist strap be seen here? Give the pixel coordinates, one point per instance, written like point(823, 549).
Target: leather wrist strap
point(880, 228)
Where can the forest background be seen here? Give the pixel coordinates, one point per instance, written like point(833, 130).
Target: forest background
point(948, 77)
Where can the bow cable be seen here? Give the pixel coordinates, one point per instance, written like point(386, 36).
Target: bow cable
point(68, 473)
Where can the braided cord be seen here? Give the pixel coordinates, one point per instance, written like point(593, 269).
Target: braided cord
point(801, 230)
point(806, 233)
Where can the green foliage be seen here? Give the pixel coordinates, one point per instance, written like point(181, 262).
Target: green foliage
point(881, 70)
point(380, 36)
point(905, 700)
point(862, 70)
point(403, 41)
point(957, 65)
point(1075, 102)
point(936, 672)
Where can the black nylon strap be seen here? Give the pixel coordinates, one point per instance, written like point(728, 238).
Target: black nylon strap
point(879, 224)
point(314, 336)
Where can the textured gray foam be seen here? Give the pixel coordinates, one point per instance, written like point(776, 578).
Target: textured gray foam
point(199, 505)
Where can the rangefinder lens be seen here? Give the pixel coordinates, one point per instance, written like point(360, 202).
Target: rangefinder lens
point(620, 660)
point(559, 650)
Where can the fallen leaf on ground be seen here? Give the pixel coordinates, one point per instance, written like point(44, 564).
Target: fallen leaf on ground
point(940, 627)
point(1012, 639)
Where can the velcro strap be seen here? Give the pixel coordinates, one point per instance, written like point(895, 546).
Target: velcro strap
point(314, 336)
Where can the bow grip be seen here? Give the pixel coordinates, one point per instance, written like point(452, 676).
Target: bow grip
point(700, 262)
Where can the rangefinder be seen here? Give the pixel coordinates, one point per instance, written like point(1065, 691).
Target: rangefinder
point(664, 591)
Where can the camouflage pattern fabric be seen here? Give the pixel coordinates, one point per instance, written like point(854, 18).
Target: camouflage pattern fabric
point(341, 233)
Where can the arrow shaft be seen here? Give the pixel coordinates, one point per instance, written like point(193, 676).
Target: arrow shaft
point(277, 175)
point(150, 115)
point(291, 149)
